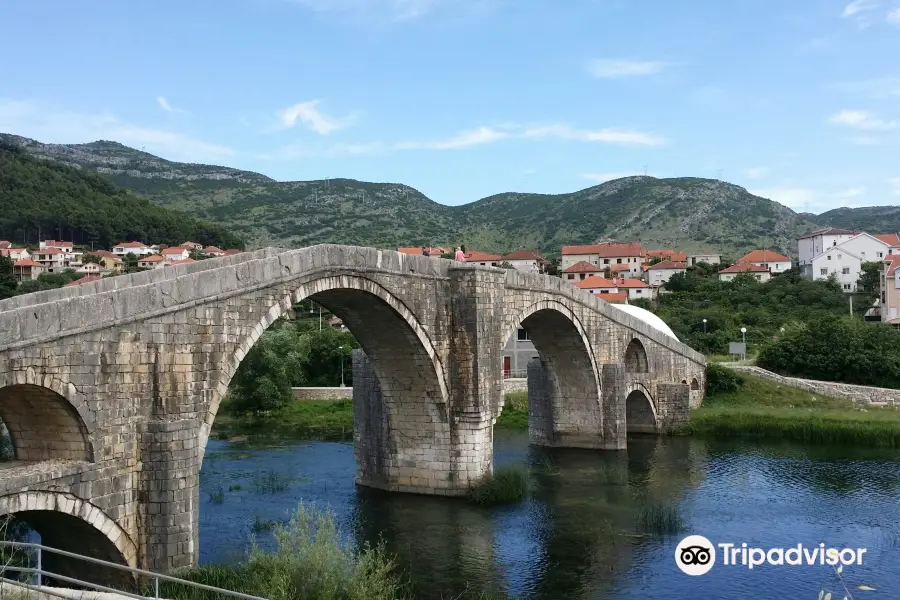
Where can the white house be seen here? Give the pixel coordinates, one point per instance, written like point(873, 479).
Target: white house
point(813, 244)
point(892, 240)
point(175, 253)
point(773, 261)
point(710, 259)
point(615, 257)
point(761, 273)
point(154, 261)
point(138, 248)
point(661, 272)
point(845, 260)
point(580, 271)
point(527, 261)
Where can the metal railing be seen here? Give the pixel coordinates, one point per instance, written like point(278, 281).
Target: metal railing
point(519, 374)
point(39, 573)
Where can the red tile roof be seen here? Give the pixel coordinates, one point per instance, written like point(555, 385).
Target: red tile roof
point(594, 281)
point(48, 251)
point(582, 266)
point(891, 239)
point(9, 251)
point(525, 255)
point(607, 250)
point(131, 245)
point(672, 255)
point(26, 262)
point(211, 249)
point(5, 244)
point(105, 254)
point(667, 264)
point(476, 256)
point(151, 259)
point(182, 261)
point(745, 268)
point(619, 267)
point(175, 250)
point(57, 244)
point(763, 256)
point(232, 251)
point(83, 280)
point(614, 297)
point(630, 283)
point(894, 260)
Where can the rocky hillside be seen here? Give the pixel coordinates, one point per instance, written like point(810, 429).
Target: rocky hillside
point(686, 213)
point(884, 219)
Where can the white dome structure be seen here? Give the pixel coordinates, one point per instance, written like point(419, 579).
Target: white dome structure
point(647, 317)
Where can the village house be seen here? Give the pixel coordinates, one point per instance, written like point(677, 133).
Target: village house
point(761, 273)
point(15, 254)
point(606, 256)
point(211, 251)
point(175, 253)
point(661, 272)
point(671, 255)
point(635, 288)
point(773, 261)
point(153, 261)
point(614, 297)
point(710, 259)
point(814, 244)
point(90, 268)
point(596, 285)
point(580, 271)
point(83, 280)
point(892, 240)
point(527, 261)
point(844, 260)
point(51, 259)
point(110, 261)
point(890, 291)
point(5, 244)
point(26, 269)
point(192, 246)
point(485, 259)
point(137, 248)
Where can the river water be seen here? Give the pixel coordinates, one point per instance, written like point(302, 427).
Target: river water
point(582, 533)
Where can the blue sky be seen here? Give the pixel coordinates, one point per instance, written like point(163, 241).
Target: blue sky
point(798, 101)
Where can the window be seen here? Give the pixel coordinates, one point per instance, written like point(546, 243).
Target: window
point(605, 261)
point(829, 257)
point(846, 271)
point(880, 254)
point(823, 271)
point(840, 256)
point(522, 335)
point(618, 261)
point(846, 286)
point(571, 276)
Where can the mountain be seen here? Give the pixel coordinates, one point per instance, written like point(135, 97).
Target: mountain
point(880, 219)
point(40, 199)
point(684, 213)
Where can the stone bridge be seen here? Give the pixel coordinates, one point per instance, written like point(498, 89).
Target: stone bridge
point(109, 389)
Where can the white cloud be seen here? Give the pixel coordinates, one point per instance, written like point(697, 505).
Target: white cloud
point(857, 7)
point(626, 137)
point(613, 68)
point(603, 177)
point(53, 125)
point(859, 119)
point(878, 87)
point(864, 140)
point(166, 106)
point(757, 172)
point(851, 193)
point(465, 139)
point(893, 17)
point(308, 114)
point(794, 197)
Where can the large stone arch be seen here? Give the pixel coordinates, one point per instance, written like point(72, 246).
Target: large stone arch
point(71, 524)
point(340, 294)
point(46, 418)
point(636, 360)
point(641, 415)
point(569, 409)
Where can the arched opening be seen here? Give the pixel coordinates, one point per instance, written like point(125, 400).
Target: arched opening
point(684, 382)
point(639, 414)
point(695, 385)
point(65, 523)
point(43, 425)
point(636, 357)
point(563, 390)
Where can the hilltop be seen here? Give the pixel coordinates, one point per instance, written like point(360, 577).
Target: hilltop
point(867, 218)
point(40, 199)
point(685, 213)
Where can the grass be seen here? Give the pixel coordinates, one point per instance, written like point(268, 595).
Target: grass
point(260, 525)
point(270, 482)
point(761, 409)
point(217, 496)
point(503, 486)
point(515, 411)
point(660, 519)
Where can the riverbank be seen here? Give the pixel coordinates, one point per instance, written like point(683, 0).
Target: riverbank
point(757, 409)
point(333, 420)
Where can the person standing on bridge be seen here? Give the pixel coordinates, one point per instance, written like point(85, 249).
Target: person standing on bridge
point(459, 254)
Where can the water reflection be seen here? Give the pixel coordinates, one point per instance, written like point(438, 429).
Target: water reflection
point(582, 533)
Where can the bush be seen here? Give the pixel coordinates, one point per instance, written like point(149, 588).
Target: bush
point(720, 380)
point(500, 487)
point(837, 349)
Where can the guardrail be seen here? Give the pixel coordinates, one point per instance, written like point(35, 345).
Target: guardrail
point(39, 573)
point(520, 374)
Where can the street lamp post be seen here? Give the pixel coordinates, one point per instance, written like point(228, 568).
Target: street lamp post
point(744, 335)
point(704, 325)
point(341, 348)
point(320, 313)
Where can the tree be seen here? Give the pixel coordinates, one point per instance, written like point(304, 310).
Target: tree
point(506, 265)
point(869, 282)
point(92, 258)
point(131, 263)
point(8, 281)
point(199, 254)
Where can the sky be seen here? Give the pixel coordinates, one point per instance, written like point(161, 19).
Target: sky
point(797, 101)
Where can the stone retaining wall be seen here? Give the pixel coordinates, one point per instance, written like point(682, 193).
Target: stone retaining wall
point(857, 393)
point(325, 394)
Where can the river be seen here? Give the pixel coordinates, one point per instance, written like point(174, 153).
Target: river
point(580, 533)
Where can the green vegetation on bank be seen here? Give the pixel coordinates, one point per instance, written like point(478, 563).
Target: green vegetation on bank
point(503, 486)
point(747, 407)
point(42, 199)
point(836, 349)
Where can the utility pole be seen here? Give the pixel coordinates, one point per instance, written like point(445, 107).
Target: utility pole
point(851, 304)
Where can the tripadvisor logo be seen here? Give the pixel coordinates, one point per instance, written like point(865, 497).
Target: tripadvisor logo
point(696, 555)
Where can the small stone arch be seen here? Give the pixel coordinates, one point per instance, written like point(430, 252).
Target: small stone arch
point(640, 412)
point(695, 385)
point(71, 524)
point(332, 292)
point(43, 421)
point(684, 382)
point(571, 408)
point(636, 357)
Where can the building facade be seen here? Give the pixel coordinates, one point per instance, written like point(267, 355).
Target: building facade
point(606, 256)
point(661, 272)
